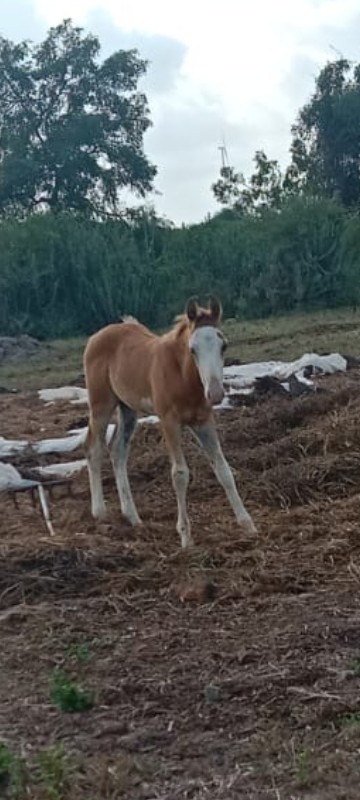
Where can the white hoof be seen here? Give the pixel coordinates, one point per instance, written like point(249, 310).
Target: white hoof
point(132, 516)
point(99, 513)
point(187, 541)
point(247, 525)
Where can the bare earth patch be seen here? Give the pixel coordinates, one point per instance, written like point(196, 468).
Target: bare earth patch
point(250, 690)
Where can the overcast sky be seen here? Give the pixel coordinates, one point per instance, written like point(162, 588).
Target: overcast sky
point(237, 70)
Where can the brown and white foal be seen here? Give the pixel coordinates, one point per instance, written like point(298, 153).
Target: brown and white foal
point(178, 376)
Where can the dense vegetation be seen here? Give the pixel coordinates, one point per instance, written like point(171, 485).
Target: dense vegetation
point(71, 260)
point(62, 274)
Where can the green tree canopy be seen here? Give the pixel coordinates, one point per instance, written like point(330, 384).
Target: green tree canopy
point(71, 128)
point(264, 189)
point(326, 137)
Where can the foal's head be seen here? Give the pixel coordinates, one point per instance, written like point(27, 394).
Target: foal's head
point(207, 346)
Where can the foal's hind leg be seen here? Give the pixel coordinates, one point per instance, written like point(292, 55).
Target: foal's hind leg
point(94, 447)
point(119, 451)
point(208, 438)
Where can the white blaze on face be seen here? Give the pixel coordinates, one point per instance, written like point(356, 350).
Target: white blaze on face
point(207, 346)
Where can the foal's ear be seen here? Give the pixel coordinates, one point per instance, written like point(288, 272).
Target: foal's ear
point(215, 308)
point(192, 309)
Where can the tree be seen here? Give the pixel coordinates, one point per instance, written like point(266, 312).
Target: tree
point(265, 188)
point(71, 128)
point(326, 137)
point(229, 189)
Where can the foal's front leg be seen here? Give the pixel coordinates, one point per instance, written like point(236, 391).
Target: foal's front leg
point(209, 440)
point(180, 477)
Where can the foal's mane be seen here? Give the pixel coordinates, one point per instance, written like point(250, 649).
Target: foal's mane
point(182, 323)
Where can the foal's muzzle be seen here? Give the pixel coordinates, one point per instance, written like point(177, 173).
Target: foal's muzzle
point(215, 392)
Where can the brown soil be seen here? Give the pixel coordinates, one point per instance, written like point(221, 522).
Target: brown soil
point(232, 671)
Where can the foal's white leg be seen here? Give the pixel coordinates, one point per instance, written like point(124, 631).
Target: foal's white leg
point(119, 451)
point(209, 440)
point(94, 447)
point(180, 479)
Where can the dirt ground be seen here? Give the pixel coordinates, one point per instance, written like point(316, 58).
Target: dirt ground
point(251, 690)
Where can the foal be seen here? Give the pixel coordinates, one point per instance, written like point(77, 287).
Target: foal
point(178, 376)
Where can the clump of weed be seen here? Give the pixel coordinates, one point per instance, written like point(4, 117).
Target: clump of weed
point(54, 771)
point(302, 767)
point(12, 774)
point(352, 718)
point(355, 666)
point(80, 652)
point(68, 695)
point(117, 778)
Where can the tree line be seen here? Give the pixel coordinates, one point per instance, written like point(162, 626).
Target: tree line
point(73, 258)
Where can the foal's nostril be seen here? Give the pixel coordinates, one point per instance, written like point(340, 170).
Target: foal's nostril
point(218, 398)
point(215, 393)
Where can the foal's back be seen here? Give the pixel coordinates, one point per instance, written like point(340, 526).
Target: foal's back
point(118, 361)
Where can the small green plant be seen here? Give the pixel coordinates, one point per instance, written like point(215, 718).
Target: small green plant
point(12, 774)
point(68, 695)
point(212, 693)
point(355, 666)
point(54, 768)
point(352, 718)
point(80, 652)
point(302, 766)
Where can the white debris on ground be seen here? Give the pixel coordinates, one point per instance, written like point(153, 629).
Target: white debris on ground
point(9, 447)
point(12, 480)
point(238, 379)
point(65, 444)
point(9, 476)
point(75, 394)
point(65, 470)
